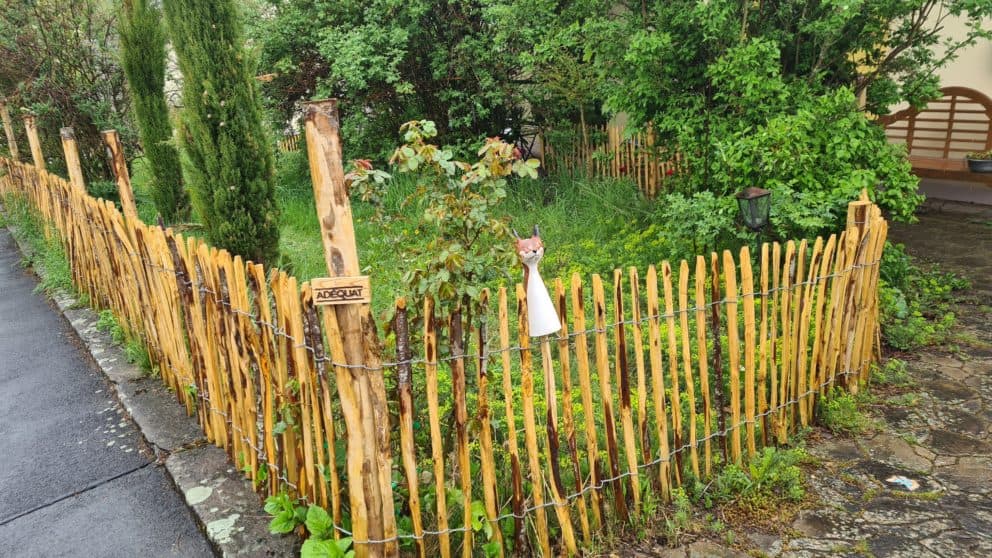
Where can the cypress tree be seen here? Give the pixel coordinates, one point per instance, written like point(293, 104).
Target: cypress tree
point(231, 171)
point(143, 60)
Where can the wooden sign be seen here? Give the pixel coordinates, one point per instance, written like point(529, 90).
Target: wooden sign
point(330, 291)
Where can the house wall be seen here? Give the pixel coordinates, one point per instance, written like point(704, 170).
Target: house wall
point(973, 67)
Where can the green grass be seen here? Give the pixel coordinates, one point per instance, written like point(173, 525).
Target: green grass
point(588, 226)
point(46, 254)
point(585, 225)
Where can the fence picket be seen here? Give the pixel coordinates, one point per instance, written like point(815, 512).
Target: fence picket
point(623, 378)
point(657, 380)
point(690, 384)
point(487, 454)
point(606, 393)
point(747, 302)
point(511, 424)
point(568, 419)
point(530, 426)
point(585, 389)
point(673, 367)
point(733, 355)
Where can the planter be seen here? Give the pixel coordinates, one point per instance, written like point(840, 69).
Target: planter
point(980, 165)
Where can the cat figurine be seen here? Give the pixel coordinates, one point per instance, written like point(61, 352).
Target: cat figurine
point(541, 315)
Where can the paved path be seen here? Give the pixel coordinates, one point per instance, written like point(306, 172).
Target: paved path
point(937, 432)
point(75, 479)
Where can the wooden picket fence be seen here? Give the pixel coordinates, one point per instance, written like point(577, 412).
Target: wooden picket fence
point(289, 142)
point(608, 151)
point(656, 375)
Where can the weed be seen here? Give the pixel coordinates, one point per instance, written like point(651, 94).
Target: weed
point(771, 477)
point(861, 548)
point(134, 350)
point(909, 439)
point(894, 373)
point(910, 399)
point(137, 354)
point(840, 412)
point(915, 302)
point(928, 496)
point(680, 519)
point(108, 323)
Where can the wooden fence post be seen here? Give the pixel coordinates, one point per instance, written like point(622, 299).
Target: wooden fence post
point(360, 385)
point(72, 158)
point(8, 128)
point(34, 142)
point(119, 165)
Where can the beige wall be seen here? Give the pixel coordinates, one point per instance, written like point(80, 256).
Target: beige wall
point(973, 67)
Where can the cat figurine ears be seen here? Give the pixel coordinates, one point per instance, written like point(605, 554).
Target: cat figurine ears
point(536, 232)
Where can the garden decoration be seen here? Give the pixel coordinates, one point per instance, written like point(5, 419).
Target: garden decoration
point(980, 161)
point(541, 315)
point(755, 205)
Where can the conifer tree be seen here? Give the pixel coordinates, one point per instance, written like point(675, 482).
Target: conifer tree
point(231, 177)
point(143, 59)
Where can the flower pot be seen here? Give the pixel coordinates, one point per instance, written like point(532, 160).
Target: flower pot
point(980, 165)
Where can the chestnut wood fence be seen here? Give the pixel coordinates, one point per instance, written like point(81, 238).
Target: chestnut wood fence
point(607, 151)
point(529, 445)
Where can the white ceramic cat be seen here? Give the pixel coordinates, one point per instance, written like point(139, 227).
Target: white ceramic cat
point(541, 315)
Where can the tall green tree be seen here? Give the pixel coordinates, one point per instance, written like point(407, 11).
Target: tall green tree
point(231, 160)
point(143, 59)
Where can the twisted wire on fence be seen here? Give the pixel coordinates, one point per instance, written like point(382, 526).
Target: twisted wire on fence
point(321, 356)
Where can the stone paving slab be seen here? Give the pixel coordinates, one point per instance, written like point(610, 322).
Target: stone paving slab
point(940, 438)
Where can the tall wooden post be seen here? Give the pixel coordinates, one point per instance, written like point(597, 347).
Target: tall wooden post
point(360, 385)
point(72, 157)
point(34, 142)
point(8, 128)
point(119, 165)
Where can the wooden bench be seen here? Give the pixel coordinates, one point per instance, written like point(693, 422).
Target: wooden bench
point(938, 136)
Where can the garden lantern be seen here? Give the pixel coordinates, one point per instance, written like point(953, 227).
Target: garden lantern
point(754, 205)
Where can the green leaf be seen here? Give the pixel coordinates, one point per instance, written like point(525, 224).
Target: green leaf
point(313, 548)
point(282, 523)
point(318, 522)
point(274, 504)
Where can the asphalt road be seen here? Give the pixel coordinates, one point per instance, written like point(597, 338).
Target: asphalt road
point(75, 478)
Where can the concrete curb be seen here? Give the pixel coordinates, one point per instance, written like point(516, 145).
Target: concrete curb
point(218, 495)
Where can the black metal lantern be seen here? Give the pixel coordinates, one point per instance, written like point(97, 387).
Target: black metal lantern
point(754, 204)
